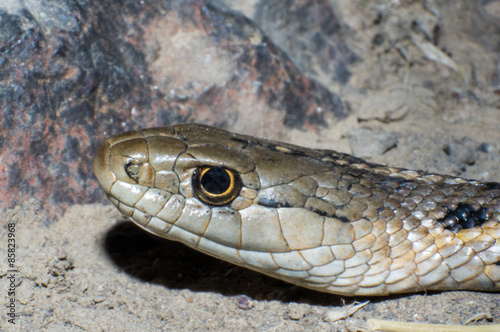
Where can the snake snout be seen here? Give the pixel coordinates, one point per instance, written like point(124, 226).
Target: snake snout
point(101, 167)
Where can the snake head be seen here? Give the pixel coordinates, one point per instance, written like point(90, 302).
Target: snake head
point(183, 176)
point(319, 219)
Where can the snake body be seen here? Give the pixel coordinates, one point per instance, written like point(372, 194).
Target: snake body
point(315, 218)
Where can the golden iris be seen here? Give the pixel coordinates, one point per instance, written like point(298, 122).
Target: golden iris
point(215, 185)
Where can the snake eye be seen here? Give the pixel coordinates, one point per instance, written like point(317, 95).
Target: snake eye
point(132, 169)
point(216, 185)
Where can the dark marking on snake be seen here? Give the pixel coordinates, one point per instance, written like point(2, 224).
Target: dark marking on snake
point(239, 140)
point(343, 219)
point(297, 153)
point(321, 212)
point(269, 202)
point(492, 185)
point(464, 216)
point(272, 203)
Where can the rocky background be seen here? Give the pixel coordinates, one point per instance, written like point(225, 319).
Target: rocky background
point(413, 84)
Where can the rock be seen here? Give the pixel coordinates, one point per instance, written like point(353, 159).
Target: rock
point(72, 74)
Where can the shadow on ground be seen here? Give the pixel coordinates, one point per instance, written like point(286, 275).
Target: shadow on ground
point(176, 266)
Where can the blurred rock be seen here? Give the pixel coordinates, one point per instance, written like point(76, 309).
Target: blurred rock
point(366, 143)
point(73, 73)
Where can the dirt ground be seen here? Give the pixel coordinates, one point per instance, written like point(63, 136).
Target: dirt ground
point(411, 104)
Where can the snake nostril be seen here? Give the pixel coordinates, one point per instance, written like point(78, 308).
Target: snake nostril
point(132, 168)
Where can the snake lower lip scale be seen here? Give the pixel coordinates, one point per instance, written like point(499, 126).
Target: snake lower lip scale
point(315, 218)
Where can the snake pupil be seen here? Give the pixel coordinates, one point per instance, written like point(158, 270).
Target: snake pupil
point(216, 185)
point(216, 180)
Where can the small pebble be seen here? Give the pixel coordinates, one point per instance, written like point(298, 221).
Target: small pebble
point(296, 311)
point(244, 302)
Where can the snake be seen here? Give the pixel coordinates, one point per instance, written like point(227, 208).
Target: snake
point(319, 219)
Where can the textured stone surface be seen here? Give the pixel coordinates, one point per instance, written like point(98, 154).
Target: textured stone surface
point(73, 72)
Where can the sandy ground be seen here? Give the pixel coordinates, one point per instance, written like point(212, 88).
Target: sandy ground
point(92, 270)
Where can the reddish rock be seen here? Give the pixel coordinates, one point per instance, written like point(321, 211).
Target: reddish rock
point(73, 74)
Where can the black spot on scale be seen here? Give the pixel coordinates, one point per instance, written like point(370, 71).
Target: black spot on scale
point(298, 153)
point(492, 185)
point(268, 202)
point(239, 140)
point(321, 213)
point(329, 215)
point(464, 216)
point(343, 219)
